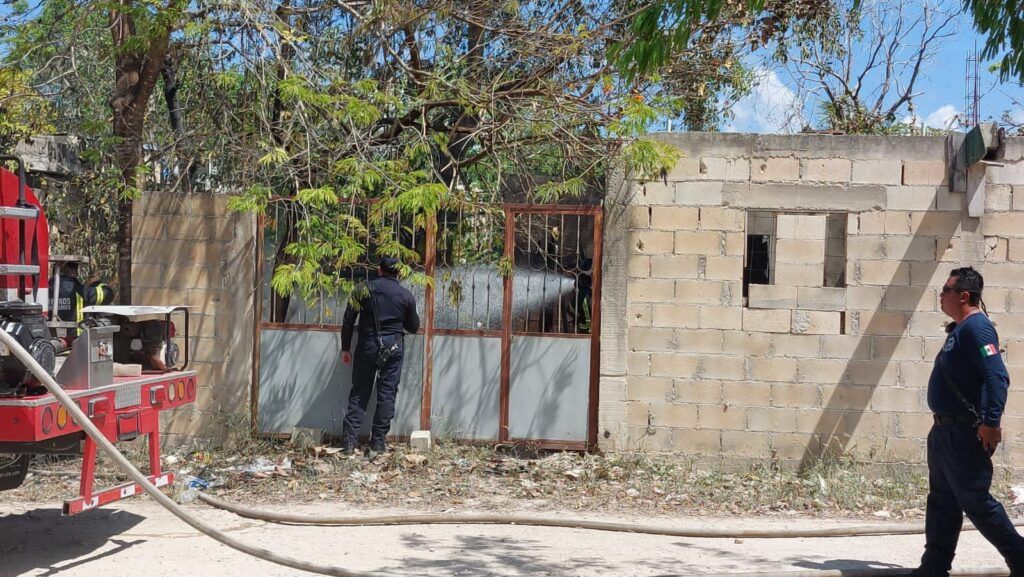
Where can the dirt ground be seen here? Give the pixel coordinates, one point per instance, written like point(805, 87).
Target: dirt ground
point(139, 537)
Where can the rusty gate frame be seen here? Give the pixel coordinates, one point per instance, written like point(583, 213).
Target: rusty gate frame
point(429, 331)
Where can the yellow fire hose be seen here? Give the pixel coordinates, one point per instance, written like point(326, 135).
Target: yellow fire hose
point(107, 447)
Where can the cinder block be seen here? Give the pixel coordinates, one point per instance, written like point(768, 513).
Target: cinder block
point(771, 419)
point(996, 249)
point(998, 198)
point(702, 341)
point(420, 441)
point(706, 442)
point(815, 322)
point(941, 224)
point(898, 348)
point(675, 316)
point(861, 297)
point(774, 169)
point(674, 218)
point(1015, 249)
point(675, 266)
point(1009, 173)
point(845, 347)
point(883, 272)
point(720, 218)
point(877, 323)
point(792, 251)
point(638, 217)
point(766, 320)
point(765, 296)
point(873, 373)
point(793, 446)
point(910, 299)
point(821, 298)
point(871, 222)
point(748, 344)
point(821, 370)
point(674, 416)
point(686, 169)
point(698, 292)
point(673, 365)
point(1003, 224)
point(798, 346)
point(929, 172)
point(896, 399)
point(638, 266)
point(773, 369)
point(638, 363)
point(698, 194)
point(724, 417)
point(923, 324)
point(798, 395)
point(801, 226)
point(746, 444)
point(910, 197)
point(1010, 275)
point(651, 242)
point(723, 268)
point(800, 274)
point(699, 392)
point(865, 247)
point(949, 201)
point(651, 290)
point(699, 243)
point(1018, 197)
point(877, 171)
point(639, 314)
point(717, 168)
point(907, 248)
point(898, 221)
point(826, 169)
point(655, 193)
point(727, 318)
point(723, 368)
point(651, 339)
point(746, 393)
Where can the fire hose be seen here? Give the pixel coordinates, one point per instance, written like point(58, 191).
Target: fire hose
point(107, 447)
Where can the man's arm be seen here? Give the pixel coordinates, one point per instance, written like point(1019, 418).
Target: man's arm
point(348, 326)
point(412, 318)
point(983, 350)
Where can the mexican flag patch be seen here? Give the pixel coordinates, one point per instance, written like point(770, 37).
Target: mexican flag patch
point(989, 350)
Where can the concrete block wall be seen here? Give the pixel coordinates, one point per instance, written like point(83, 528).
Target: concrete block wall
point(798, 368)
point(189, 250)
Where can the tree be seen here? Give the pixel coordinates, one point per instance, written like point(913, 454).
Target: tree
point(1003, 22)
point(861, 66)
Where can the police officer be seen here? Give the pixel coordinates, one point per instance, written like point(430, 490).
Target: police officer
point(397, 309)
point(966, 393)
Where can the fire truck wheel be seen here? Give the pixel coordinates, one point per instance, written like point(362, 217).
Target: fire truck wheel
point(13, 468)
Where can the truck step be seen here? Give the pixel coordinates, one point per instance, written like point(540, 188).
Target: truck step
point(19, 269)
point(62, 258)
point(19, 213)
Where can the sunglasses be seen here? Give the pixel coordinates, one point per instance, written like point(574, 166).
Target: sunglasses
point(949, 289)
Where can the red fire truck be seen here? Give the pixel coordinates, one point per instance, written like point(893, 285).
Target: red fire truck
point(119, 364)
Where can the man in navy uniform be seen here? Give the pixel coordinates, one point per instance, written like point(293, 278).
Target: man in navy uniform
point(966, 393)
point(397, 309)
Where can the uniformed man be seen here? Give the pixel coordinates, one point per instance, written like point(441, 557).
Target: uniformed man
point(74, 296)
point(966, 393)
point(397, 309)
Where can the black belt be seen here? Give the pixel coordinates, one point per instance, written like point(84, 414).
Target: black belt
point(961, 419)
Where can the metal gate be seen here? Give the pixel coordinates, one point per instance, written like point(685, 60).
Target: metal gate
point(508, 349)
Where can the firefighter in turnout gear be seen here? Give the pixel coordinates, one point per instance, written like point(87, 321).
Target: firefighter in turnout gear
point(74, 296)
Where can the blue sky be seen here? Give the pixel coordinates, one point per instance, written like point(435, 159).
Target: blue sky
point(942, 88)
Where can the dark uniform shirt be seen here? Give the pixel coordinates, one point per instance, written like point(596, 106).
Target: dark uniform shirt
point(971, 359)
point(397, 309)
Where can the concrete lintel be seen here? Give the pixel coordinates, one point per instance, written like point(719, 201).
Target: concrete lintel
point(856, 198)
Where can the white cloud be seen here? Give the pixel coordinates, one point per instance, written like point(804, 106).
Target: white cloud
point(771, 107)
point(944, 117)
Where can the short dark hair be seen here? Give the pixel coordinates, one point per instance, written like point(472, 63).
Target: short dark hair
point(970, 281)
point(389, 265)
